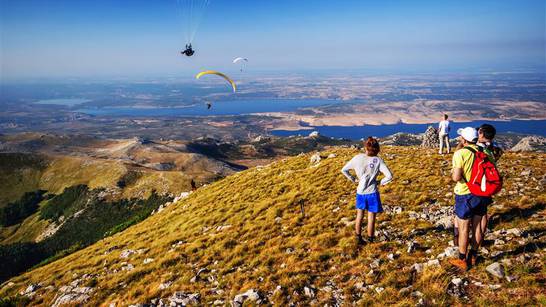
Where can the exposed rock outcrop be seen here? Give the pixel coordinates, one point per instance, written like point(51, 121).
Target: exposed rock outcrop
point(402, 139)
point(184, 299)
point(249, 296)
point(531, 144)
point(314, 134)
point(430, 138)
point(72, 296)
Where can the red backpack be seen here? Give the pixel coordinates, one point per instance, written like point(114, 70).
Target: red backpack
point(485, 179)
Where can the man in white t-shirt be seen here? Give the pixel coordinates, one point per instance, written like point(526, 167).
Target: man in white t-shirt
point(443, 134)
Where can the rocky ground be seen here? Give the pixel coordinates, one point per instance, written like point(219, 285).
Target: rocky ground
point(283, 234)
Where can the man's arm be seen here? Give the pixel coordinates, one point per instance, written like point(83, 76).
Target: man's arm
point(457, 174)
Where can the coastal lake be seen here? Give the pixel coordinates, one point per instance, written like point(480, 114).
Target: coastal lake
point(235, 107)
point(537, 127)
point(240, 107)
point(63, 101)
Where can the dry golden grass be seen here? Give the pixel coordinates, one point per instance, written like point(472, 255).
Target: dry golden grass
point(27, 231)
point(68, 171)
point(60, 172)
point(269, 243)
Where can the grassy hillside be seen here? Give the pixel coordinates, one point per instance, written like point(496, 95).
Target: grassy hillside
point(27, 173)
point(75, 218)
point(21, 172)
point(248, 231)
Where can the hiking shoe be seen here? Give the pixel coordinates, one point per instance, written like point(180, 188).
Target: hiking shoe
point(473, 257)
point(473, 260)
point(360, 241)
point(459, 263)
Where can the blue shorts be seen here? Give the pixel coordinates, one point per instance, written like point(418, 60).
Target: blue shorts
point(467, 206)
point(370, 202)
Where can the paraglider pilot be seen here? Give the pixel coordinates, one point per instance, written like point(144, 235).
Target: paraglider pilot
point(189, 51)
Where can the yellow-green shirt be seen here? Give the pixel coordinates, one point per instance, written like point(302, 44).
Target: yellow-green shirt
point(463, 159)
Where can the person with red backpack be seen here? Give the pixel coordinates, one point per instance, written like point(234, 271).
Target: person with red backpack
point(477, 180)
point(486, 134)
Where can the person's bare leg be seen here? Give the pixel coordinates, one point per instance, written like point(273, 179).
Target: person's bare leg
point(477, 239)
point(461, 261)
point(476, 232)
point(358, 223)
point(483, 223)
point(448, 145)
point(455, 232)
point(441, 151)
point(463, 235)
point(371, 225)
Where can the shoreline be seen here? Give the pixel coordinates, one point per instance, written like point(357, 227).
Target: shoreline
point(408, 113)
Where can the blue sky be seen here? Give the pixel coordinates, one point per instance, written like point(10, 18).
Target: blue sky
point(58, 38)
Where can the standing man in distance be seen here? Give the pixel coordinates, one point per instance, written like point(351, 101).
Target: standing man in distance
point(443, 134)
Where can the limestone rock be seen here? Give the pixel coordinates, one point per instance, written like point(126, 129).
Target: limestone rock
point(314, 134)
point(148, 260)
point(417, 267)
point(184, 299)
point(29, 291)
point(495, 269)
point(402, 139)
point(315, 159)
point(250, 295)
point(430, 138)
point(309, 292)
point(445, 222)
point(260, 138)
point(72, 296)
point(451, 251)
point(126, 253)
point(433, 262)
point(456, 287)
point(531, 144)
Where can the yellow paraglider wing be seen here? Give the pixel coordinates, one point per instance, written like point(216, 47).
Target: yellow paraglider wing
point(212, 72)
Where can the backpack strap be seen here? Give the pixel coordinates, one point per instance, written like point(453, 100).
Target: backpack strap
point(473, 151)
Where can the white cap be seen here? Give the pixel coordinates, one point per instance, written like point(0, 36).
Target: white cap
point(470, 134)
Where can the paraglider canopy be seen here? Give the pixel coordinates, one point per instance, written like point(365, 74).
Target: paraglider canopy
point(240, 60)
point(237, 60)
point(213, 72)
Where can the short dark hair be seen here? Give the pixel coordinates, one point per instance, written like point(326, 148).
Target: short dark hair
point(445, 116)
point(372, 146)
point(488, 131)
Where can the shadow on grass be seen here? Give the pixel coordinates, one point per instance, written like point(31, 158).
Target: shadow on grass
point(527, 248)
point(515, 213)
